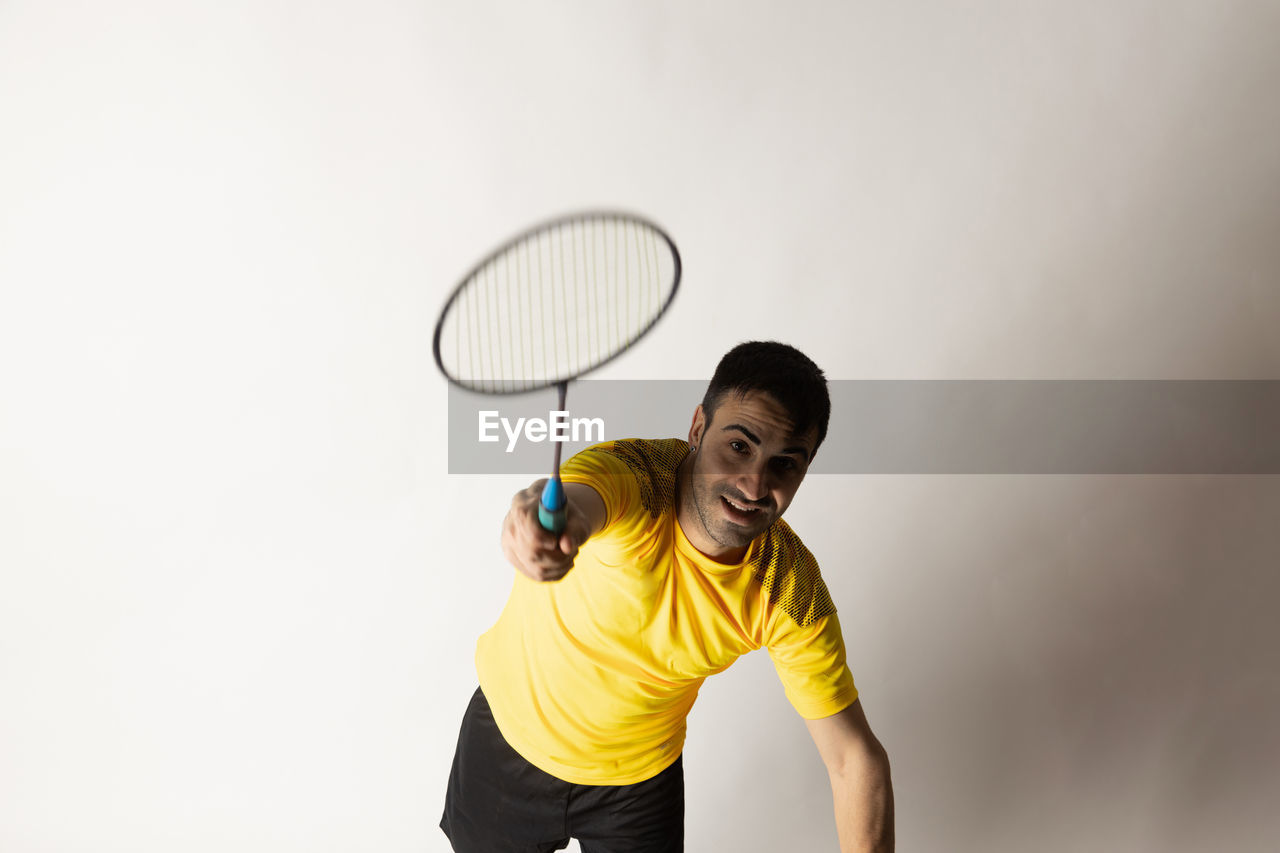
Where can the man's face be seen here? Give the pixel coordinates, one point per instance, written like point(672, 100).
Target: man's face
point(746, 468)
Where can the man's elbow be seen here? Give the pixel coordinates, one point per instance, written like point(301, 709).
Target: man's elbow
point(867, 764)
point(863, 795)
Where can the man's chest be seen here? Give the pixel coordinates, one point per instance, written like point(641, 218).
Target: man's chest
point(678, 622)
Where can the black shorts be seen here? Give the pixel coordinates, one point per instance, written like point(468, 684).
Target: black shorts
point(499, 803)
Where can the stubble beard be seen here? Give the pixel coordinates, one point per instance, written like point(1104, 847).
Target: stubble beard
point(706, 503)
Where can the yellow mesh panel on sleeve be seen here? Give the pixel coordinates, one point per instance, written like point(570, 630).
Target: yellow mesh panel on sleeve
point(789, 574)
point(654, 464)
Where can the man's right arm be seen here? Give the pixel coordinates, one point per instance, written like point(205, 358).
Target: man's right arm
point(539, 554)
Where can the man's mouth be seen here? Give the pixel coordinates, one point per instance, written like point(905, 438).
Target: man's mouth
point(739, 512)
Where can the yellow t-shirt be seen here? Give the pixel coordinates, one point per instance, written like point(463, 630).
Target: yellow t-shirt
point(590, 678)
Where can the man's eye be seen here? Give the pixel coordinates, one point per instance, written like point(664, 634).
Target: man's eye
point(785, 463)
point(738, 446)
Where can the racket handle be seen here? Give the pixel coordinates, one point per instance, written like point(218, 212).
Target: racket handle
point(551, 509)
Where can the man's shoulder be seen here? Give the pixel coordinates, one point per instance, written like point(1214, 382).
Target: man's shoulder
point(644, 453)
point(789, 576)
point(652, 463)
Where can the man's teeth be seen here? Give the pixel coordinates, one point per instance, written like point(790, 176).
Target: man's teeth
point(740, 508)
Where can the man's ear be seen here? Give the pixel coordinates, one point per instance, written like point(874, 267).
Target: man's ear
point(698, 427)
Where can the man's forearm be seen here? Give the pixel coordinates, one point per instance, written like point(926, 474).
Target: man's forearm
point(863, 799)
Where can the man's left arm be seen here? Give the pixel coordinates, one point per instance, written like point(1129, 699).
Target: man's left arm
point(859, 770)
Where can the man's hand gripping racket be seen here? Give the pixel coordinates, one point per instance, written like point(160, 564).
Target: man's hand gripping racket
point(537, 552)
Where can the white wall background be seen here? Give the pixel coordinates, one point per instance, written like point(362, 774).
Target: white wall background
point(239, 594)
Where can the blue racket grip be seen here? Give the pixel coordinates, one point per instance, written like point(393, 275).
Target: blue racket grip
point(551, 509)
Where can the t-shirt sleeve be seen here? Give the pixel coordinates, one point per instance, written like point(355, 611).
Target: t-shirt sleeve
point(612, 471)
point(810, 661)
point(803, 634)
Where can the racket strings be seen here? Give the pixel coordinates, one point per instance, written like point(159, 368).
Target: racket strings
point(556, 304)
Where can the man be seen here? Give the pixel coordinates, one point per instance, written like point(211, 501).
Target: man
point(674, 562)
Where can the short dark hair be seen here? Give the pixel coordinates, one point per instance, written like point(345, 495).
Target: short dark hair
point(779, 370)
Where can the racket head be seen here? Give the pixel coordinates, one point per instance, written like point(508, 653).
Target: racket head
point(556, 301)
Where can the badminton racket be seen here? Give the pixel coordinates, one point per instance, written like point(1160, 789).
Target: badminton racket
point(551, 304)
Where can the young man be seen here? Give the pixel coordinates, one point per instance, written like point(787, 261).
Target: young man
point(674, 561)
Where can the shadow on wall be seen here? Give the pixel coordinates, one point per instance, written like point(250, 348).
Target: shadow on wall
point(1108, 675)
point(1085, 663)
point(1091, 662)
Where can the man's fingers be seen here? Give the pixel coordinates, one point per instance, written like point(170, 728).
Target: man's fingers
point(544, 569)
point(540, 550)
point(550, 574)
point(569, 543)
point(576, 531)
point(539, 536)
point(525, 530)
point(536, 552)
point(534, 489)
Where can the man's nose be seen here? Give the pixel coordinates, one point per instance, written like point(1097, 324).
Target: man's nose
point(754, 484)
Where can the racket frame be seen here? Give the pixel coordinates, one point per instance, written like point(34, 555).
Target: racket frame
point(528, 233)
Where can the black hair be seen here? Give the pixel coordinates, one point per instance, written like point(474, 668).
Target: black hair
point(779, 370)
